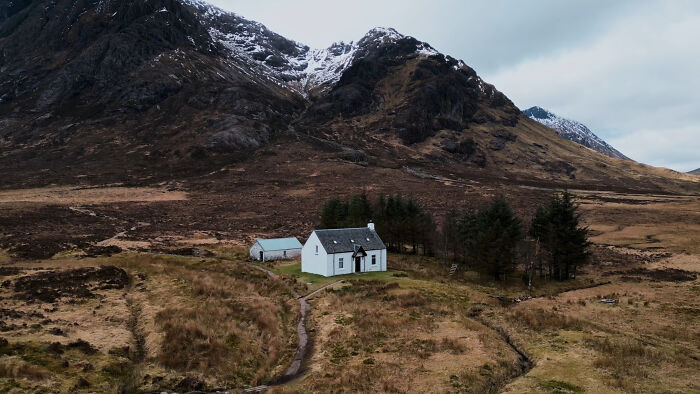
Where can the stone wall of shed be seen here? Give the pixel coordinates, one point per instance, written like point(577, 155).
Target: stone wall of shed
point(279, 254)
point(273, 254)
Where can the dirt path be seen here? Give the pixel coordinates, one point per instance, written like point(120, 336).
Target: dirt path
point(303, 346)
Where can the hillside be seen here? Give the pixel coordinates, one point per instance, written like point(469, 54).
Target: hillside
point(160, 90)
point(573, 131)
point(695, 171)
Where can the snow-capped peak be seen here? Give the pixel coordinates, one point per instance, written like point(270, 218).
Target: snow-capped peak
point(573, 131)
point(388, 32)
point(288, 63)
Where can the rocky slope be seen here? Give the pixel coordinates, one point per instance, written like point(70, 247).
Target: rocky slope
point(695, 171)
point(118, 90)
point(573, 131)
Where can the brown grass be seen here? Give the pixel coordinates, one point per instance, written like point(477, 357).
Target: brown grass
point(540, 319)
point(97, 195)
point(230, 323)
point(178, 317)
point(13, 367)
point(625, 356)
point(377, 336)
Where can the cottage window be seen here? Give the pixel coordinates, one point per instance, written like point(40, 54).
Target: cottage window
point(316, 249)
point(340, 263)
point(284, 253)
point(374, 259)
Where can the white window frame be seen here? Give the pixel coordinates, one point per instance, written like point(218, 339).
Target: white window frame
point(374, 259)
point(340, 263)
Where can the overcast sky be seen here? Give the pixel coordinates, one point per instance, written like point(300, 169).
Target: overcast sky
point(629, 70)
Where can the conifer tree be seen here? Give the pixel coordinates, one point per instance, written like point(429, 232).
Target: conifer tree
point(359, 211)
point(491, 237)
point(561, 235)
point(334, 214)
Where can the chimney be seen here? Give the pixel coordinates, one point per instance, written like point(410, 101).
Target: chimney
point(370, 225)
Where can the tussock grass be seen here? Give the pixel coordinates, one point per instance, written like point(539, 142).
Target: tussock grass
point(625, 356)
point(226, 321)
point(486, 378)
point(236, 329)
point(378, 336)
point(16, 368)
point(633, 364)
point(539, 319)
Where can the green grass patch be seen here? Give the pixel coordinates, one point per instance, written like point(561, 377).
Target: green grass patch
point(559, 387)
point(314, 281)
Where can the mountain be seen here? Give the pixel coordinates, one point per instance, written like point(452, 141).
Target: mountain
point(573, 131)
point(154, 90)
point(695, 171)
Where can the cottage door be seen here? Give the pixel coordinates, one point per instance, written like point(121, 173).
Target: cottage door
point(358, 264)
point(261, 255)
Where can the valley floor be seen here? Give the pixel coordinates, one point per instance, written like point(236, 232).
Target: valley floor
point(102, 291)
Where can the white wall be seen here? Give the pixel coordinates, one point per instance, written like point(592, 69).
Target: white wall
point(380, 257)
point(255, 251)
point(349, 263)
point(329, 264)
point(273, 254)
point(311, 261)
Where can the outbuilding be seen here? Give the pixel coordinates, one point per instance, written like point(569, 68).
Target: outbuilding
point(276, 249)
point(343, 251)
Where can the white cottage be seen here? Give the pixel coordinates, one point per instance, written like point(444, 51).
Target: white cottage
point(275, 249)
point(343, 251)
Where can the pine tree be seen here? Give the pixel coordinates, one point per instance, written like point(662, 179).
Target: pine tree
point(398, 221)
point(334, 214)
point(449, 235)
point(491, 237)
point(540, 230)
point(468, 235)
point(560, 233)
point(359, 211)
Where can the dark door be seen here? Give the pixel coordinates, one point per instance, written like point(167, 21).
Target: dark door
point(358, 264)
point(261, 255)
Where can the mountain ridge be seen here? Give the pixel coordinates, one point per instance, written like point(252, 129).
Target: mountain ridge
point(155, 90)
point(573, 131)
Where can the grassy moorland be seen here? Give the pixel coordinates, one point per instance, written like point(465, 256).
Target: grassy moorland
point(418, 331)
point(85, 321)
point(168, 323)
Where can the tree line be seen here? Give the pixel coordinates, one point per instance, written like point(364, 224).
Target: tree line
point(401, 222)
point(492, 240)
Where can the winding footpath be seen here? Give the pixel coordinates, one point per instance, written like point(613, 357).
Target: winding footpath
point(294, 368)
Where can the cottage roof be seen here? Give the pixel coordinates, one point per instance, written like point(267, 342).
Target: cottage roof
point(279, 244)
point(342, 240)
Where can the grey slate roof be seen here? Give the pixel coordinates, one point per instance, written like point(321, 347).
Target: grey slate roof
point(341, 240)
